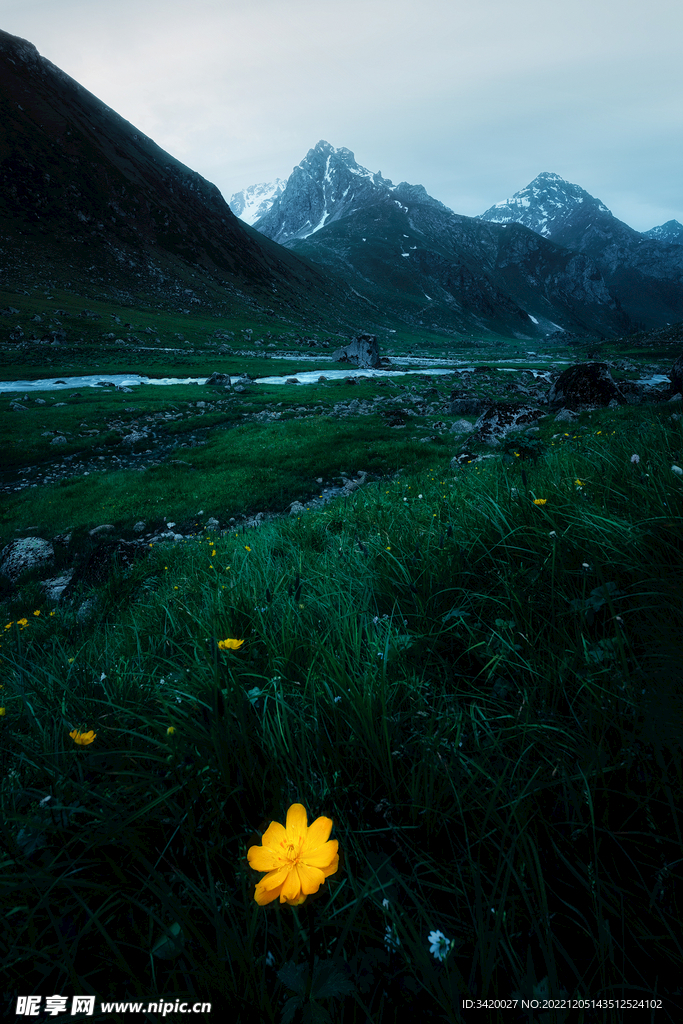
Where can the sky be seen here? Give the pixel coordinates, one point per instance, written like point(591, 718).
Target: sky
point(470, 99)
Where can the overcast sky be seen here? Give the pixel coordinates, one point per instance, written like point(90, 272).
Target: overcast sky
point(470, 98)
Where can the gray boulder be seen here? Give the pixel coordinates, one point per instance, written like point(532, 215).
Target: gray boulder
point(500, 418)
point(55, 587)
point(461, 427)
point(566, 416)
point(585, 384)
point(362, 351)
point(23, 554)
point(467, 406)
point(219, 379)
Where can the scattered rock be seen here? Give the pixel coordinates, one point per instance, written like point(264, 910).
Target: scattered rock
point(219, 379)
point(585, 384)
point(566, 416)
point(500, 419)
point(23, 554)
point(461, 427)
point(55, 587)
point(363, 351)
point(105, 528)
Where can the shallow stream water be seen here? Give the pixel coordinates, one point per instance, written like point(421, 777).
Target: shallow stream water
point(121, 380)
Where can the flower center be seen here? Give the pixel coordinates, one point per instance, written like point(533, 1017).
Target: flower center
point(290, 852)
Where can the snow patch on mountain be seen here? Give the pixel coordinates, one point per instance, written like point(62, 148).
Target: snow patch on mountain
point(254, 201)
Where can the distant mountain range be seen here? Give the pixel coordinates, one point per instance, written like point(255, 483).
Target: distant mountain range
point(552, 258)
point(89, 202)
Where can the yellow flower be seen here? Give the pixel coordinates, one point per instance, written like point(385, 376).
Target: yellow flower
point(22, 622)
point(297, 858)
point(247, 548)
point(71, 660)
point(82, 738)
point(213, 554)
point(232, 645)
point(37, 613)
point(540, 501)
point(579, 483)
point(170, 730)
point(2, 711)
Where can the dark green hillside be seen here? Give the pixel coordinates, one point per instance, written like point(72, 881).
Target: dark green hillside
point(435, 268)
point(89, 203)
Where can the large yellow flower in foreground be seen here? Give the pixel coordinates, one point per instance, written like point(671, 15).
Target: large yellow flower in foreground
point(297, 858)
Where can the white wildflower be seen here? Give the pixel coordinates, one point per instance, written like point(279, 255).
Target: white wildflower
point(439, 946)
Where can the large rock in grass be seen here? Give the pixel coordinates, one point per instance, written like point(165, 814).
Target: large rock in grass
point(362, 351)
point(26, 553)
point(218, 379)
point(462, 405)
point(500, 418)
point(585, 384)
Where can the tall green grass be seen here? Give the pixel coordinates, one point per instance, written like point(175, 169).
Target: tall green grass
point(476, 675)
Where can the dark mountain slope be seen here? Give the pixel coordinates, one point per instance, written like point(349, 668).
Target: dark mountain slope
point(86, 196)
point(440, 269)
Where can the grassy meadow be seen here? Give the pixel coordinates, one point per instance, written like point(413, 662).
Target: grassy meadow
point(474, 672)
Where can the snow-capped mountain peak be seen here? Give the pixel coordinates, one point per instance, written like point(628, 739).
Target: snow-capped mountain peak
point(545, 205)
point(325, 186)
point(253, 202)
point(671, 233)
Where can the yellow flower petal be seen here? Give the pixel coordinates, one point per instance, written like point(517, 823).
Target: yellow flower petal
point(275, 879)
point(297, 821)
point(317, 834)
point(291, 889)
point(261, 859)
point(323, 856)
point(310, 878)
point(274, 836)
point(264, 896)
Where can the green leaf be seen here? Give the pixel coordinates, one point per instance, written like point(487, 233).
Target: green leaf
point(329, 982)
point(293, 976)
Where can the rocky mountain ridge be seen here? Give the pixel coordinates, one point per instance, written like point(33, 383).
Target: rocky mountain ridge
point(326, 186)
point(643, 271)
